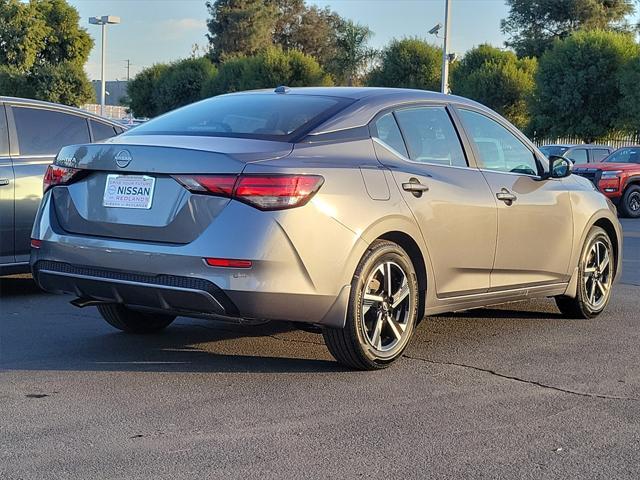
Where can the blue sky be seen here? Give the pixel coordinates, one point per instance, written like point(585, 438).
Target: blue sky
point(155, 31)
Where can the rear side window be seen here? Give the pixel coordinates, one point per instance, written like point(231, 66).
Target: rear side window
point(266, 115)
point(4, 133)
point(430, 136)
point(598, 154)
point(101, 131)
point(577, 155)
point(387, 130)
point(45, 132)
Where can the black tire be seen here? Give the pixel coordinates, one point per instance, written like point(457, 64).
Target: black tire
point(352, 345)
point(581, 306)
point(630, 202)
point(132, 321)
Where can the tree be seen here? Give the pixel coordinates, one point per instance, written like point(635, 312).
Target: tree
point(630, 96)
point(532, 26)
point(578, 85)
point(141, 88)
point(181, 83)
point(239, 27)
point(352, 52)
point(267, 69)
point(65, 83)
point(497, 79)
point(408, 63)
point(14, 83)
point(22, 33)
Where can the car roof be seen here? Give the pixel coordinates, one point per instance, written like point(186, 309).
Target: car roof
point(366, 102)
point(57, 106)
point(572, 145)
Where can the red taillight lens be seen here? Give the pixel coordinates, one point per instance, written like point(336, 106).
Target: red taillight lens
point(265, 192)
point(228, 263)
point(35, 243)
point(57, 175)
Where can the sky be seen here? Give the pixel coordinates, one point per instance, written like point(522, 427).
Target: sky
point(154, 31)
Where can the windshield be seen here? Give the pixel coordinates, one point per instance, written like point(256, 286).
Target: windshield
point(268, 116)
point(556, 150)
point(624, 155)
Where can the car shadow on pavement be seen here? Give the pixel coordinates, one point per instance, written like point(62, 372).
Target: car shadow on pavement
point(18, 285)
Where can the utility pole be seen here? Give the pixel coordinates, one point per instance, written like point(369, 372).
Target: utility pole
point(128, 69)
point(445, 48)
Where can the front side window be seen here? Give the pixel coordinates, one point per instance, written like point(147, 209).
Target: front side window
point(45, 132)
point(624, 155)
point(387, 130)
point(498, 148)
point(269, 116)
point(598, 154)
point(430, 136)
point(578, 155)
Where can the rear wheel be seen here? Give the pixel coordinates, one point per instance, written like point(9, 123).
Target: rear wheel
point(595, 278)
point(382, 312)
point(132, 321)
point(630, 202)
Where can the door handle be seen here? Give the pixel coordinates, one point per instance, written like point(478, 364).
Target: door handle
point(4, 181)
point(506, 196)
point(415, 187)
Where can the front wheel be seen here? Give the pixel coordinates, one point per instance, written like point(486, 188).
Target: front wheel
point(596, 271)
point(630, 202)
point(382, 311)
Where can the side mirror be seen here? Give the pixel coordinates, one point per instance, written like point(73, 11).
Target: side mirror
point(559, 167)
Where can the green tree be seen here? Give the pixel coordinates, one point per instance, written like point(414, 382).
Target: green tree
point(14, 83)
point(353, 53)
point(181, 83)
point(532, 26)
point(22, 34)
point(408, 63)
point(578, 87)
point(141, 88)
point(630, 95)
point(497, 79)
point(239, 27)
point(267, 69)
point(65, 83)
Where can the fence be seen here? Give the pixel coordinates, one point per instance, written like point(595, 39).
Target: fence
point(110, 111)
point(615, 141)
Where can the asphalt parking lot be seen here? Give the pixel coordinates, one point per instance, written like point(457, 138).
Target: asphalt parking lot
point(511, 392)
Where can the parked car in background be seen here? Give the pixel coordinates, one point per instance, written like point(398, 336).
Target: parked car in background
point(578, 153)
point(31, 134)
point(618, 177)
point(356, 210)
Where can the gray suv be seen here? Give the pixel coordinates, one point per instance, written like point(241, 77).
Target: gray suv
point(578, 153)
point(31, 134)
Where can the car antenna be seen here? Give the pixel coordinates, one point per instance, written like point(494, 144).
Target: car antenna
point(282, 89)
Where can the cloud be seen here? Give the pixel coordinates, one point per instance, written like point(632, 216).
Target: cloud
point(184, 24)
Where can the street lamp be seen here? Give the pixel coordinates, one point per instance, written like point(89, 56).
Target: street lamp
point(446, 57)
point(103, 21)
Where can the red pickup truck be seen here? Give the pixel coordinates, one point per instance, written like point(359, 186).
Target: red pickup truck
point(618, 177)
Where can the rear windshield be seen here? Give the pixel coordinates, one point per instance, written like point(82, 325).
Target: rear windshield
point(268, 116)
point(549, 150)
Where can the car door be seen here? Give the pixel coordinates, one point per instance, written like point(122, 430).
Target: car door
point(577, 155)
point(39, 134)
point(450, 199)
point(535, 222)
point(7, 254)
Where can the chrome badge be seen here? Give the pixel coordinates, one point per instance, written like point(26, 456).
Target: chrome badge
point(123, 158)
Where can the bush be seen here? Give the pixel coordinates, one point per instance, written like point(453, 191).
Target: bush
point(65, 83)
point(578, 88)
point(268, 69)
point(182, 82)
point(408, 63)
point(141, 88)
point(497, 79)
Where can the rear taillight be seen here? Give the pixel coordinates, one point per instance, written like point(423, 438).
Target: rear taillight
point(57, 175)
point(265, 192)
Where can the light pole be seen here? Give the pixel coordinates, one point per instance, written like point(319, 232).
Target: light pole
point(103, 21)
point(445, 48)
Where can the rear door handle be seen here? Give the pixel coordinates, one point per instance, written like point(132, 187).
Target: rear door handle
point(4, 181)
point(506, 196)
point(414, 186)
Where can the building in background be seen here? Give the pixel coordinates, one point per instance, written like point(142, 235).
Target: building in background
point(116, 91)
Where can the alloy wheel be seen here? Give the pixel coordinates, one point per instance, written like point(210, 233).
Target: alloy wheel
point(634, 202)
point(387, 307)
point(597, 278)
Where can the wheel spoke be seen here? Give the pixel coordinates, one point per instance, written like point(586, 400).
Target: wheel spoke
point(592, 293)
point(369, 301)
point(605, 261)
point(388, 277)
point(396, 327)
point(376, 337)
point(401, 294)
point(589, 269)
point(601, 287)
